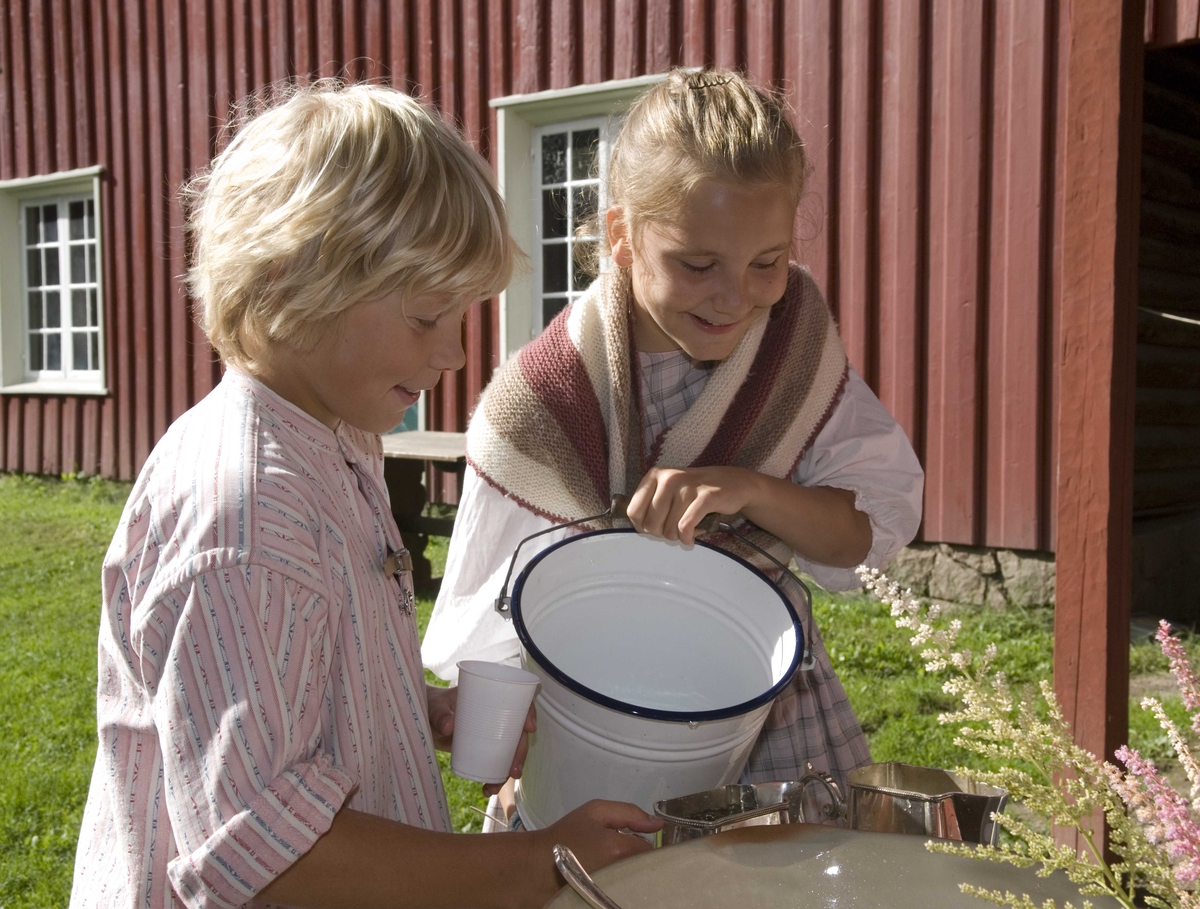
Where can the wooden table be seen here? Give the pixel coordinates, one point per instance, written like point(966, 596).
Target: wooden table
point(406, 457)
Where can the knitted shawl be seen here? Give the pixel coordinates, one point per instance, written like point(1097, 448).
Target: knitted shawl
point(559, 428)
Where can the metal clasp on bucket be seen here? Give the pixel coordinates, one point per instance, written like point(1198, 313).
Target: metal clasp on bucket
point(710, 523)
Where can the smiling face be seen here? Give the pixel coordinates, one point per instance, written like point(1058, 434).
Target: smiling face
point(700, 282)
point(375, 368)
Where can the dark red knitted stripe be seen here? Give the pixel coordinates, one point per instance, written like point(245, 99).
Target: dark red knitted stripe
point(556, 373)
point(748, 403)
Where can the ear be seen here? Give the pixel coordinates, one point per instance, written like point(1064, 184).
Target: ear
point(619, 240)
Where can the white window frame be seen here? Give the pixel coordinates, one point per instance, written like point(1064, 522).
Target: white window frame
point(518, 118)
point(15, 374)
point(605, 126)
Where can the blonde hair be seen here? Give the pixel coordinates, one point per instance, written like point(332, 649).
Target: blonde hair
point(700, 125)
point(333, 195)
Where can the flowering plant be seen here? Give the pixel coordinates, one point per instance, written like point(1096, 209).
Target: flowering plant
point(1153, 829)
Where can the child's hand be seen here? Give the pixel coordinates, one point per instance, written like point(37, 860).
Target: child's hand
point(442, 702)
point(592, 832)
point(670, 502)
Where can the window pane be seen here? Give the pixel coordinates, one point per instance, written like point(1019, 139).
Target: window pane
point(54, 351)
point(53, 309)
point(79, 350)
point(554, 212)
point(95, 349)
point(35, 352)
point(554, 268)
point(554, 158)
point(77, 230)
point(585, 260)
point(50, 223)
point(552, 307)
point(78, 269)
point(585, 204)
point(33, 261)
point(91, 218)
point(91, 257)
point(584, 145)
point(79, 308)
point(32, 220)
point(94, 321)
point(35, 309)
point(51, 266)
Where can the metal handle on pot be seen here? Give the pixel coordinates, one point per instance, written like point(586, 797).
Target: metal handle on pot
point(581, 882)
point(837, 806)
point(504, 601)
point(709, 524)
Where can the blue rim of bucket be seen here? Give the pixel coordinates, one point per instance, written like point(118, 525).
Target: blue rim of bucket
point(651, 713)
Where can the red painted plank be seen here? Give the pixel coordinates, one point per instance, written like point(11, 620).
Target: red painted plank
point(762, 42)
point(810, 30)
point(374, 42)
point(105, 411)
point(51, 461)
point(1099, 298)
point(7, 129)
point(84, 113)
point(41, 56)
point(204, 116)
point(326, 27)
point(70, 447)
point(351, 49)
point(903, 189)
point(425, 50)
point(140, 251)
point(1013, 432)
point(12, 432)
point(21, 162)
point(63, 66)
point(627, 40)
point(856, 230)
point(662, 47)
point(727, 40)
point(596, 40)
point(176, 396)
point(449, 58)
point(118, 317)
point(90, 461)
point(31, 435)
point(157, 262)
point(953, 408)
point(565, 62)
point(528, 37)
point(696, 32)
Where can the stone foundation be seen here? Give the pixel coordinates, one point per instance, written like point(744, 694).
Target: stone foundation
point(975, 576)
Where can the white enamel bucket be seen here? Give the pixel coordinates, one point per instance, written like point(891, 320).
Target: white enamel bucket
point(658, 664)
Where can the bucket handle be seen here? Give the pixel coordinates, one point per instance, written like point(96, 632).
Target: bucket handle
point(708, 524)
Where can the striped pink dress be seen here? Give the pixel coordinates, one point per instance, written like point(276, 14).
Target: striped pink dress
point(257, 671)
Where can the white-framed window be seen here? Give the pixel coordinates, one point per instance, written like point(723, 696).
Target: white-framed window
point(568, 192)
point(51, 285)
point(547, 142)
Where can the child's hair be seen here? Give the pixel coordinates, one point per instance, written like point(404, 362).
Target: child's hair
point(700, 125)
point(334, 195)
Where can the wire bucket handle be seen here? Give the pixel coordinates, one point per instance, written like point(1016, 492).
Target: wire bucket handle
point(709, 524)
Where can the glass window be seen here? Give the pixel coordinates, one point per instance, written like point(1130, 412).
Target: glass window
point(568, 198)
point(62, 318)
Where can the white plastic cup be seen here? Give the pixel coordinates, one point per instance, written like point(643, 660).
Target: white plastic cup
point(493, 701)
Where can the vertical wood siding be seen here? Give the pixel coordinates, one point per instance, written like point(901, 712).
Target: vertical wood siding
point(931, 126)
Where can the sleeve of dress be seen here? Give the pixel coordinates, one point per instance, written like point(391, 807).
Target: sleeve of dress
point(238, 708)
point(863, 449)
point(465, 624)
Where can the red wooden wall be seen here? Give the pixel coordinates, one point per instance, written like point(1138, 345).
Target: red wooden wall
point(931, 221)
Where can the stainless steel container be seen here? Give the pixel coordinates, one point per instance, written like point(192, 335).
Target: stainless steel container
point(904, 798)
point(736, 805)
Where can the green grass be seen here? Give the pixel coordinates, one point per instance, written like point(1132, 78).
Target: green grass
point(53, 535)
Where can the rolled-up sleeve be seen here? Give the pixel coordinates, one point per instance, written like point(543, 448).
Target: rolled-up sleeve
point(238, 709)
point(864, 450)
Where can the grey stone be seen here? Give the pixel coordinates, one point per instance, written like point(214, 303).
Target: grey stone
point(995, 596)
point(912, 567)
point(956, 582)
point(1028, 577)
point(976, 558)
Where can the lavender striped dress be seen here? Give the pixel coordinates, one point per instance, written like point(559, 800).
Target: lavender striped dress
point(257, 672)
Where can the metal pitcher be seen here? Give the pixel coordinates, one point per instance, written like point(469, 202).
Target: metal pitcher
point(904, 798)
point(737, 805)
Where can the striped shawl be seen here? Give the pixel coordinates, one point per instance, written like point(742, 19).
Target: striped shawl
point(559, 429)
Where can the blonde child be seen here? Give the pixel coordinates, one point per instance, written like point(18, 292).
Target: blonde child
point(702, 374)
point(266, 733)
